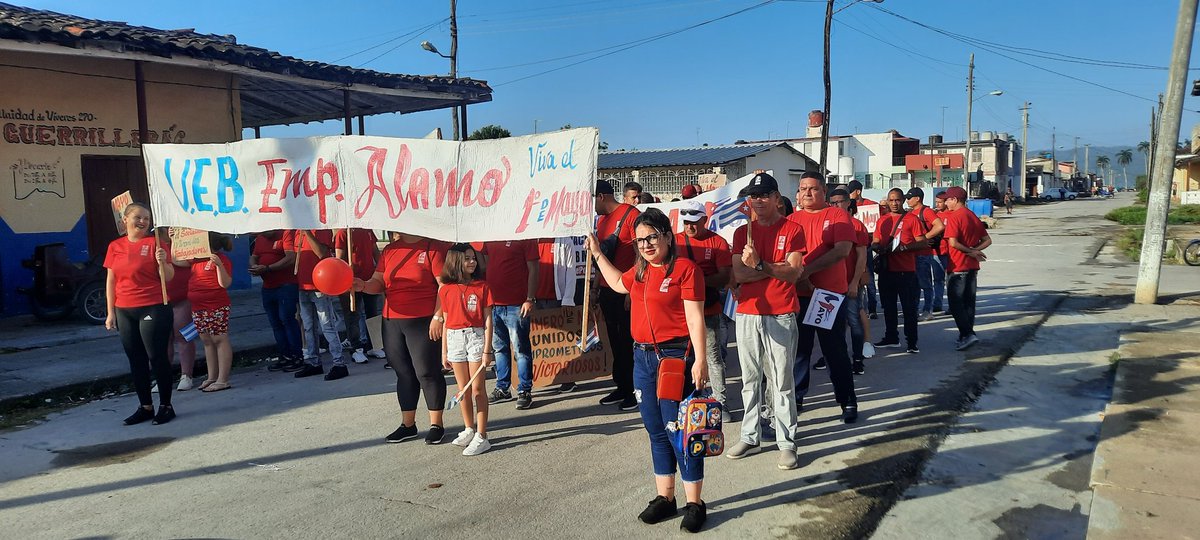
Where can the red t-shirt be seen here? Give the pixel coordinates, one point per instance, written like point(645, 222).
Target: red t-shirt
point(272, 251)
point(823, 229)
point(308, 258)
point(508, 270)
point(364, 251)
point(203, 289)
point(898, 261)
point(861, 238)
point(464, 305)
point(410, 278)
point(607, 224)
point(177, 287)
point(770, 296)
point(966, 227)
point(943, 246)
point(710, 252)
point(928, 214)
point(546, 290)
point(136, 270)
point(658, 300)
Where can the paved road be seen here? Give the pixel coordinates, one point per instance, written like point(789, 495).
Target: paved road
point(279, 457)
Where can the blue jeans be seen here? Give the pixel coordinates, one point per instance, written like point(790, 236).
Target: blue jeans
point(280, 304)
point(927, 266)
point(872, 300)
point(509, 327)
point(318, 313)
point(852, 306)
point(941, 262)
point(657, 413)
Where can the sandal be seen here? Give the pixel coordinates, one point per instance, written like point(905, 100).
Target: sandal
point(216, 386)
point(207, 383)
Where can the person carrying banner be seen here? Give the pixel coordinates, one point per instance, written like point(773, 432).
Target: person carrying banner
point(318, 313)
point(511, 268)
point(210, 311)
point(767, 268)
point(967, 238)
point(894, 234)
point(557, 279)
point(363, 262)
point(667, 319)
point(614, 228)
point(137, 266)
point(467, 341)
point(408, 276)
point(828, 239)
point(711, 253)
point(856, 263)
point(272, 258)
point(928, 233)
point(181, 312)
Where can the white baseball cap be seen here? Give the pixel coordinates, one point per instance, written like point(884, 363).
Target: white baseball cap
point(691, 212)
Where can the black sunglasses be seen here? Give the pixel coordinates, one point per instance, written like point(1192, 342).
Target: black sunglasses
point(691, 212)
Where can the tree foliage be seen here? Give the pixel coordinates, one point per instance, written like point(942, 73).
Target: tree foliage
point(490, 131)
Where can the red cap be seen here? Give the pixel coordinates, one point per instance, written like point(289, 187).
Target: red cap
point(689, 191)
point(957, 193)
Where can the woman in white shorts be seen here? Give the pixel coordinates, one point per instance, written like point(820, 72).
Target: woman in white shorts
point(467, 340)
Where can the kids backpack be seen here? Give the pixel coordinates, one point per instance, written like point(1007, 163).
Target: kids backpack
point(697, 430)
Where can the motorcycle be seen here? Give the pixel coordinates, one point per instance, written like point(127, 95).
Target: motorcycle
point(1191, 253)
point(61, 286)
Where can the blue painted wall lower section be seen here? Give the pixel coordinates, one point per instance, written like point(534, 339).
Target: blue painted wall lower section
point(16, 247)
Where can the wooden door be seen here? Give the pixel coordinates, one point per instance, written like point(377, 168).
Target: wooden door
point(105, 177)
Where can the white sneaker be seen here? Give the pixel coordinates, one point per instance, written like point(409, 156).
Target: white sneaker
point(185, 383)
point(926, 316)
point(464, 437)
point(376, 353)
point(868, 350)
point(358, 357)
point(478, 446)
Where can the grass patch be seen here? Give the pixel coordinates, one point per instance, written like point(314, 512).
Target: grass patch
point(1130, 242)
point(1136, 215)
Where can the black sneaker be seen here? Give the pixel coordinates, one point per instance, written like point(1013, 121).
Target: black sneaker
point(858, 367)
point(336, 372)
point(616, 396)
point(659, 509)
point(166, 413)
point(279, 364)
point(694, 516)
point(524, 400)
point(628, 404)
point(849, 414)
point(140, 415)
point(294, 365)
point(821, 364)
point(500, 396)
point(567, 387)
point(402, 433)
point(873, 316)
point(912, 349)
point(309, 370)
point(435, 435)
point(885, 342)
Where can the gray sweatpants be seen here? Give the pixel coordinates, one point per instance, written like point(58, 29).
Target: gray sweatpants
point(767, 349)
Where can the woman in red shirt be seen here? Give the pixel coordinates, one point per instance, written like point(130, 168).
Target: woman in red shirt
point(181, 309)
point(467, 340)
point(210, 312)
point(666, 299)
point(136, 309)
point(407, 275)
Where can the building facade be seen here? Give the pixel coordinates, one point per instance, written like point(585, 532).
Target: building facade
point(665, 172)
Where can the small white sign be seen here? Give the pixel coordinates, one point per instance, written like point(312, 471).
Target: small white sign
point(823, 308)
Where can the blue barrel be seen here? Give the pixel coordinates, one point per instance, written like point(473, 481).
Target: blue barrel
point(981, 207)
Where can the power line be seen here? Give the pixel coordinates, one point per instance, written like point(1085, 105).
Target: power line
point(414, 35)
point(402, 36)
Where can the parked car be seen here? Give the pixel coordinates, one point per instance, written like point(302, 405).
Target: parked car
point(1059, 194)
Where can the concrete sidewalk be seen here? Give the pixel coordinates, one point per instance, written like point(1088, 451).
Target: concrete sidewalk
point(37, 357)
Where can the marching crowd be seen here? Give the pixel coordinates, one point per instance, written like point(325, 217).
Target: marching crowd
point(464, 307)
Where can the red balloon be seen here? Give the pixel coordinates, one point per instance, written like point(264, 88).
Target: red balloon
point(332, 276)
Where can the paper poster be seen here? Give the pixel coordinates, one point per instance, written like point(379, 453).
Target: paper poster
point(823, 308)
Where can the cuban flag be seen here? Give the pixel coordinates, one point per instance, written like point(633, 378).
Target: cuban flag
point(728, 212)
point(189, 332)
point(730, 309)
point(593, 339)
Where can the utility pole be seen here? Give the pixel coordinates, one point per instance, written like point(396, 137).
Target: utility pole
point(1024, 146)
point(828, 88)
point(454, 64)
point(1075, 172)
point(1086, 157)
point(1054, 154)
point(1153, 136)
point(970, 99)
point(943, 131)
point(1150, 263)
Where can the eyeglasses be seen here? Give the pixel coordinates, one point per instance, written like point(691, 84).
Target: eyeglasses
point(691, 212)
point(759, 195)
point(647, 240)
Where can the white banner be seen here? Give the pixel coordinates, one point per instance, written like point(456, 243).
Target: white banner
point(721, 204)
point(536, 186)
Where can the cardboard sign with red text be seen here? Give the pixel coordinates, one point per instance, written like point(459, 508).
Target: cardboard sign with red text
point(557, 359)
point(118, 207)
point(188, 244)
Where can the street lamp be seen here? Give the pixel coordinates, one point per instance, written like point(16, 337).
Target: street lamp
point(453, 65)
point(971, 101)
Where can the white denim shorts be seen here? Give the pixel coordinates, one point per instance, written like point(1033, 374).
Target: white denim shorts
point(464, 344)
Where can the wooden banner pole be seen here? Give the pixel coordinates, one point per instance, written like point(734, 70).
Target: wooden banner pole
point(587, 300)
point(162, 272)
point(350, 261)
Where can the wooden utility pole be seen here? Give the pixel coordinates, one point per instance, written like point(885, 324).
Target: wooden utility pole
point(1150, 263)
point(454, 62)
point(1024, 147)
point(970, 100)
point(828, 89)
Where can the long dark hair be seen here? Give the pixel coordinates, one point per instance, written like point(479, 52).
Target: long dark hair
point(655, 219)
point(454, 271)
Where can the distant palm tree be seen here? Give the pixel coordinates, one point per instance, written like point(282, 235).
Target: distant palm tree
point(1123, 158)
point(1102, 163)
point(1144, 148)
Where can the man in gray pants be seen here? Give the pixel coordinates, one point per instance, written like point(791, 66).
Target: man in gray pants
point(711, 253)
point(767, 268)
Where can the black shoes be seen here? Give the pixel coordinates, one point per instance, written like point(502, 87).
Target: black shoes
point(613, 398)
point(279, 364)
point(293, 365)
point(435, 435)
point(885, 342)
point(821, 363)
point(567, 387)
point(402, 433)
point(524, 400)
point(166, 413)
point(858, 367)
point(336, 372)
point(140, 415)
point(873, 315)
point(628, 404)
point(308, 370)
point(694, 516)
point(659, 509)
point(912, 349)
point(849, 414)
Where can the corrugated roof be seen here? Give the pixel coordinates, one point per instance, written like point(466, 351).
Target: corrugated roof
point(279, 96)
point(700, 155)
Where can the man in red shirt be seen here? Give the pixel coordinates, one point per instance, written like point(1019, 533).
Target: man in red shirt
point(930, 228)
point(767, 266)
point(856, 266)
point(318, 311)
point(512, 275)
point(941, 255)
point(366, 255)
point(967, 239)
point(855, 189)
point(614, 231)
point(711, 253)
point(895, 234)
point(828, 239)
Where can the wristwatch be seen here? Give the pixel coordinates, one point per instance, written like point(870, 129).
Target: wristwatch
point(759, 266)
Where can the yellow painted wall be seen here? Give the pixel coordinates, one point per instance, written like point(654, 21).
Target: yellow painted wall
point(56, 108)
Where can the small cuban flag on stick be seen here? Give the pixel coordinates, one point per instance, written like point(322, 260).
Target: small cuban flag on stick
point(593, 339)
point(189, 332)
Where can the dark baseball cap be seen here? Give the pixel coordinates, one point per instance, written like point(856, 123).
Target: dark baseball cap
point(853, 186)
point(941, 195)
point(761, 184)
point(956, 192)
point(604, 188)
point(915, 192)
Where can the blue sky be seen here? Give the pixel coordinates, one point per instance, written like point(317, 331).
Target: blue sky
point(752, 75)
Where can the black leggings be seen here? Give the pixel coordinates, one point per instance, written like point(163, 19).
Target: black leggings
point(145, 333)
point(417, 361)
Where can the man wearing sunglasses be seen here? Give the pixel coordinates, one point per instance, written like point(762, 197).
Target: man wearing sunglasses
point(711, 253)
